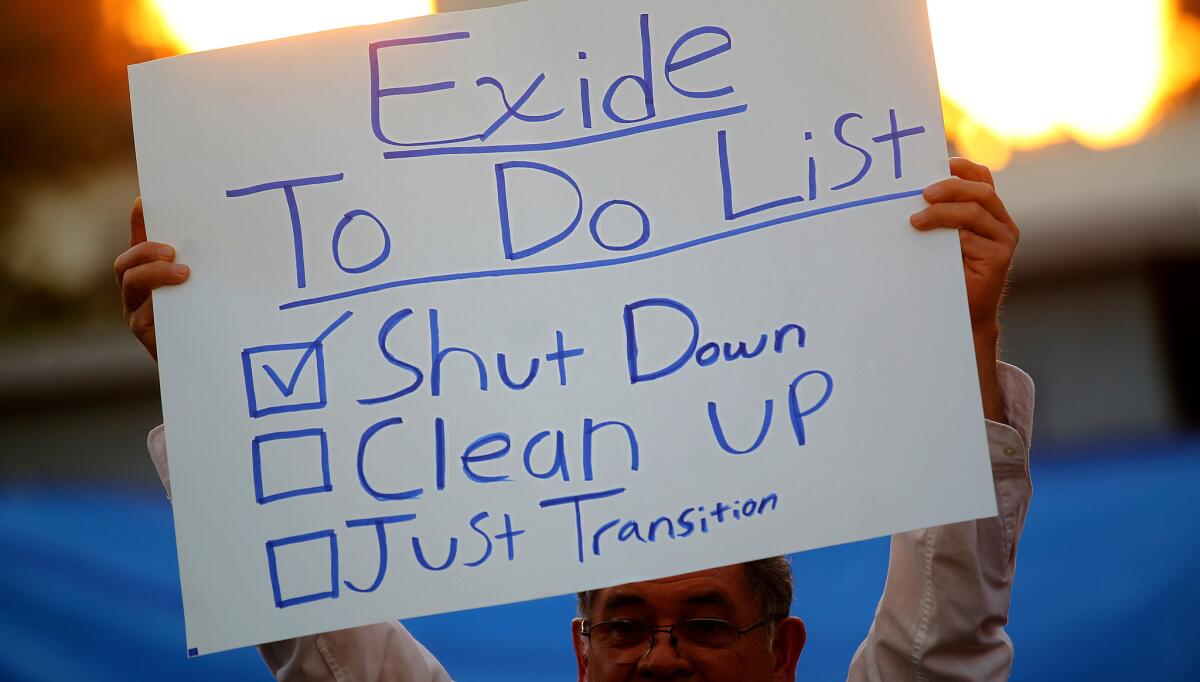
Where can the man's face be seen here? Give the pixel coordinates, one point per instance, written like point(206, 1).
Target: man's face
point(720, 593)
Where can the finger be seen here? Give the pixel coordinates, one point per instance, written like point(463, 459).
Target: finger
point(977, 248)
point(137, 224)
point(964, 215)
point(145, 252)
point(141, 320)
point(141, 323)
point(969, 170)
point(140, 280)
point(957, 189)
point(985, 259)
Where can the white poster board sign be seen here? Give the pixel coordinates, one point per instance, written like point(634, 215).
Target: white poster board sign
point(497, 305)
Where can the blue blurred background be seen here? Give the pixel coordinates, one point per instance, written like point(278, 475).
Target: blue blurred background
point(1106, 586)
point(1101, 313)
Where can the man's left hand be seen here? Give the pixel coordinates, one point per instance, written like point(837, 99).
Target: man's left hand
point(968, 203)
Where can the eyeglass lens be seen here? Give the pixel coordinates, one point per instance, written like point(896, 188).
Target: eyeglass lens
point(701, 632)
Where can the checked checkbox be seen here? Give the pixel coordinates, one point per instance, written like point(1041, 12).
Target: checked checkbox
point(287, 377)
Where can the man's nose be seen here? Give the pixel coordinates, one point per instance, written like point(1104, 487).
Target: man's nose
point(662, 661)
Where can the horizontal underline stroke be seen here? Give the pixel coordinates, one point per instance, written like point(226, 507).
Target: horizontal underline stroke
point(567, 144)
point(604, 262)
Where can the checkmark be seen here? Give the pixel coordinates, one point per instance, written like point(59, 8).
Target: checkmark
point(312, 353)
point(290, 386)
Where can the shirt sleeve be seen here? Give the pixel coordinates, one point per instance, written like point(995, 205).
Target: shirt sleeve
point(946, 599)
point(156, 443)
point(384, 651)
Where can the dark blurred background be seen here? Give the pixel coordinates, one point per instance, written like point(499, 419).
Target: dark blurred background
point(1101, 312)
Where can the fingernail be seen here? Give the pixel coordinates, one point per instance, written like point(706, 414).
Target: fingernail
point(917, 217)
point(934, 192)
point(166, 252)
point(180, 269)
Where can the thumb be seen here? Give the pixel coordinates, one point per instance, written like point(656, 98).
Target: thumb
point(137, 224)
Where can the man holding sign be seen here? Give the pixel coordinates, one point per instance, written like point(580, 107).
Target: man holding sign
point(947, 596)
point(635, 300)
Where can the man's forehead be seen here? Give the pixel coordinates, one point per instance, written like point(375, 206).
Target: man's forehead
point(728, 582)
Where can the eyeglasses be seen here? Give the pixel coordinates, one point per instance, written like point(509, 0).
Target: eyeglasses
point(627, 637)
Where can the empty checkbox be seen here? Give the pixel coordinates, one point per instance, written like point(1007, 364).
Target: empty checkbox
point(290, 464)
point(304, 568)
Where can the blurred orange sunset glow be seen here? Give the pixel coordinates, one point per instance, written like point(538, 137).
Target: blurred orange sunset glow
point(195, 25)
point(1015, 75)
point(1023, 74)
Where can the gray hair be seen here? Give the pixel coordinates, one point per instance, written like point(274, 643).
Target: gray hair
point(769, 581)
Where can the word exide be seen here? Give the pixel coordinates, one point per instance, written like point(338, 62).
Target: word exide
point(599, 112)
point(595, 106)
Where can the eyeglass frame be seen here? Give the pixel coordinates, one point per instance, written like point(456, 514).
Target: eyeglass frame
point(585, 630)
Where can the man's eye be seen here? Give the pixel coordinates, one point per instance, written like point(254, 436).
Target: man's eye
point(621, 631)
point(702, 626)
point(624, 628)
point(709, 632)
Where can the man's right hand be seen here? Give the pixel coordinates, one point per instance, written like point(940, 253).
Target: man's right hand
point(145, 267)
